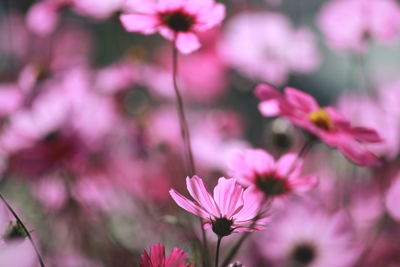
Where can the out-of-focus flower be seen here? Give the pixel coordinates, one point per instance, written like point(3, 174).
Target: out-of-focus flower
point(348, 24)
point(43, 17)
point(325, 123)
point(264, 46)
point(231, 209)
point(175, 20)
point(156, 257)
point(256, 167)
point(364, 110)
point(307, 236)
point(392, 199)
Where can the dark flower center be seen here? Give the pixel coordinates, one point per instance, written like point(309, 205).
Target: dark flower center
point(272, 185)
point(178, 20)
point(303, 254)
point(222, 227)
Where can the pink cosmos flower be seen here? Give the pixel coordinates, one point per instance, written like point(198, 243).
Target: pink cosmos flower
point(305, 235)
point(347, 24)
point(231, 209)
point(272, 178)
point(175, 20)
point(324, 122)
point(177, 257)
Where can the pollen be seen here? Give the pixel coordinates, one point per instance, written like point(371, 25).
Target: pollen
point(321, 119)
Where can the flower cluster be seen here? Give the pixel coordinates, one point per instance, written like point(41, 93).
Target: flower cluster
point(283, 116)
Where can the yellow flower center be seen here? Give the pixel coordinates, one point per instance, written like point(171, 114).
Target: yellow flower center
point(321, 119)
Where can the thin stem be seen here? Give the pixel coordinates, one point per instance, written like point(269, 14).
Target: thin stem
point(217, 251)
point(306, 147)
point(186, 139)
point(19, 221)
point(181, 113)
point(235, 249)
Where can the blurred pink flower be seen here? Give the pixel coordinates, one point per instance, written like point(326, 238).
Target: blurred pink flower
point(365, 110)
point(325, 123)
point(177, 257)
point(348, 24)
point(256, 167)
point(175, 20)
point(266, 47)
point(307, 236)
point(231, 209)
point(43, 17)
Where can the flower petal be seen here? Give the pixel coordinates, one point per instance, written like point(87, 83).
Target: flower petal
point(228, 196)
point(199, 192)
point(187, 42)
point(188, 205)
point(146, 24)
point(301, 100)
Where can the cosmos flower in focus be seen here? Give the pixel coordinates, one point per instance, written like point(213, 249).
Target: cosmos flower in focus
point(272, 178)
point(231, 209)
point(156, 257)
point(175, 20)
point(326, 123)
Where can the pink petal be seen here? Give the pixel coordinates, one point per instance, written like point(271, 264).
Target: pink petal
point(188, 205)
point(42, 18)
point(157, 254)
point(357, 153)
point(146, 24)
point(169, 4)
point(269, 108)
point(366, 134)
point(210, 16)
point(187, 42)
point(265, 91)
point(228, 196)
point(287, 164)
point(199, 192)
point(301, 100)
point(176, 257)
point(251, 205)
point(304, 183)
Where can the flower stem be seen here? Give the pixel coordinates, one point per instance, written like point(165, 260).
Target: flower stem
point(217, 250)
point(19, 221)
point(186, 139)
point(181, 113)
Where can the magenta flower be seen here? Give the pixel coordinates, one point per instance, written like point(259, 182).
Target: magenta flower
point(177, 257)
point(272, 178)
point(325, 123)
point(175, 20)
point(231, 209)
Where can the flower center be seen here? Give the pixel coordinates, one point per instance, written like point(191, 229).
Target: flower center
point(272, 185)
point(222, 227)
point(321, 119)
point(303, 253)
point(178, 20)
